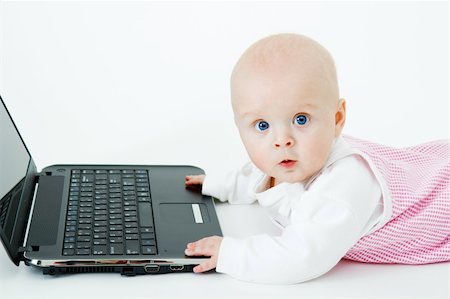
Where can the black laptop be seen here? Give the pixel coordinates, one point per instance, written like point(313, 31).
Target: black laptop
point(129, 219)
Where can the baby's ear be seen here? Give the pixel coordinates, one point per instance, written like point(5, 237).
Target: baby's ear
point(340, 117)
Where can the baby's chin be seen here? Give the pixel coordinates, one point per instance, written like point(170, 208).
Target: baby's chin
point(291, 179)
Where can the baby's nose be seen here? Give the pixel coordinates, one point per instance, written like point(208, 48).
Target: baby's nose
point(287, 142)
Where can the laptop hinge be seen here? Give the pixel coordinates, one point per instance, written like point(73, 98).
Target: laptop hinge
point(23, 249)
point(41, 174)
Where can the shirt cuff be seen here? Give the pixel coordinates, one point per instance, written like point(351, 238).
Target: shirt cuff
point(227, 261)
point(213, 185)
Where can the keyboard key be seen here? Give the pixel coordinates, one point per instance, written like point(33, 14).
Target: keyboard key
point(132, 247)
point(114, 178)
point(83, 232)
point(118, 233)
point(131, 230)
point(85, 221)
point(99, 249)
point(100, 229)
point(115, 227)
point(128, 182)
point(115, 221)
point(100, 242)
point(69, 246)
point(85, 215)
point(71, 228)
point(100, 218)
point(130, 213)
point(117, 217)
point(99, 235)
point(116, 240)
point(85, 226)
point(100, 212)
point(147, 236)
point(144, 199)
point(101, 177)
point(84, 239)
point(146, 229)
point(132, 237)
point(148, 242)
point(115, 248)
point(69, 234)
point(83, 251)
point(100, 207)
point(145, 214)
point(115, 206)
point(87, 178)
point(100, 223)
point(84, 245)
point(68, 252)
point(148, 249)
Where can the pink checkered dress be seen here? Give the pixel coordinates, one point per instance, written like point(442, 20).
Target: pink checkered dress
point(418, 181)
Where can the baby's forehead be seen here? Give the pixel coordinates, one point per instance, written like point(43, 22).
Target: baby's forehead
point(287, 51)
point(284, 63)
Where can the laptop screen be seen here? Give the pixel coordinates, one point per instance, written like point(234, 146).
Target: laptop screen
point(14, 160)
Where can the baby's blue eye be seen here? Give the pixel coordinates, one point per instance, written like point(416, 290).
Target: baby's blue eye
point(262, 125)
point(301, 119)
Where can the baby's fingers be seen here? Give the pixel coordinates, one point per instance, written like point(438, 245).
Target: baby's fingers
point(194, 179)
point(205, 247)
point(205, 266)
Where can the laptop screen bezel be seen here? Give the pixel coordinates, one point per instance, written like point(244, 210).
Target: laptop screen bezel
point(13, 244)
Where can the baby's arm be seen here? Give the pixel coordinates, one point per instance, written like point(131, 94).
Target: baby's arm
point(325, 223)
point(231, 186)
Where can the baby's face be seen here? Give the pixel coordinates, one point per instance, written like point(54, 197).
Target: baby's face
point(287, 121)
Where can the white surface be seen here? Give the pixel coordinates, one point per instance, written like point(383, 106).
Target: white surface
point(147, 83)
point(91, 82)
point(346, 280)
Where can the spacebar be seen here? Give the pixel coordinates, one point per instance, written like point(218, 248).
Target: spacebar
point(145, 214)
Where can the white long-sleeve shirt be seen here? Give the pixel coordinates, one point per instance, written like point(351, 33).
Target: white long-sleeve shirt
point(321, 219)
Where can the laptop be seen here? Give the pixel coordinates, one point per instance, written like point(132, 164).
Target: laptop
point(127, 219)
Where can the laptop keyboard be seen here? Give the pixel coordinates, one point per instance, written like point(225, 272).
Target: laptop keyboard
point(109, 213)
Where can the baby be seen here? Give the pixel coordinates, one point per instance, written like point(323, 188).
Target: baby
point(334, 196)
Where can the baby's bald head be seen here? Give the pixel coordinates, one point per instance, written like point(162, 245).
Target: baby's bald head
point(288, 55)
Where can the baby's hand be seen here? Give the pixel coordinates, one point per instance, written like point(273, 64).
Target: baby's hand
point(205, 247)
point(192, 180)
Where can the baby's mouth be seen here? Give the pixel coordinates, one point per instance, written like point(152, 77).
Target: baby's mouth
point(287, 163)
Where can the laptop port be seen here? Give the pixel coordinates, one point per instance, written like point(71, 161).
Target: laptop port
point(176, 267)
point(151, 268)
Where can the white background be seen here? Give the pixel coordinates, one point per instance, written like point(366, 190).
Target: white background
point(147, 82)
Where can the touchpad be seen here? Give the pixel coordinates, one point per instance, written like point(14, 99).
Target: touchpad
point(183, 213)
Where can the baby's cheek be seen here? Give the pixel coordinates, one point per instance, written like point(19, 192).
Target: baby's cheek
point(259, 157)
point(317, 154)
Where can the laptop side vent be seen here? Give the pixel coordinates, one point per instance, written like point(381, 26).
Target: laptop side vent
point(89, 269)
